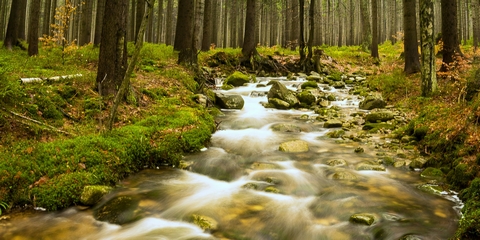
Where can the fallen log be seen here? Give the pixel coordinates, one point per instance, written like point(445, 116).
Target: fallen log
point(57, 78)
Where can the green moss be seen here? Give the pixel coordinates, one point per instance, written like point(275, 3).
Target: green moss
point(309, 84)
point(431, 172)
point(237, 79)
point(460, 176)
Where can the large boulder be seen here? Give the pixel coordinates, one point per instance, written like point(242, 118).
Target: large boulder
point(237, 79)
point(229, 101)
point(473, 86)
point(279, 91)
point(372, 102)
point(380, 116)
point(93, 193)
point(295, 146)
point(307, 97)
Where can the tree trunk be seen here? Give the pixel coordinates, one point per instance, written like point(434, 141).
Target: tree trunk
point(449, 33)
point(11, 35)
point(159, 38)
point(126, 79)
point(22, 34)
point(46, 17)
point(140, 11)
point(248, 49)
point(33, 26)
point(311, 35)
point(112, 62)
point(476, 23)
point(366, 31)
point(374, 48)
point(429, 77)
point(198, 27)
point(410, 46)
point(169, 31)
point(295, 25)
point(86, 25)
point(183, 36)
point(301, 4)
point(207, 25)
point(99, 21)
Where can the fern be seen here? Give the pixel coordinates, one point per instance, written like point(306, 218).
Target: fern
point(3, 205)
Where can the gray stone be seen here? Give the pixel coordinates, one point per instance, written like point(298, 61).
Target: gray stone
point(294, 146)
point(229, 101)
point(380, 116)
point(372, 102)
point(278, 103)
point(93, 193)
point(364, 166)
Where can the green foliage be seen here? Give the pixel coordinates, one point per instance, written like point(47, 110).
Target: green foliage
point(10, 90)
point(469, 227)
point(3, 205)
point(391, 83)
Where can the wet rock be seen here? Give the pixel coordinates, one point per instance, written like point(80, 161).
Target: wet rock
point(418, 162)
point(118, 210)
point(332, 123)
point(431, 172)
point(372, 102)
point(310, 84)
point(374, 127)
point(285, 127)
point(380, 116)
point(279, 91)
point(92, 194)
point(307, 98)
point(336, 162)
point(258, 94)
point(295, 146)
point(324, 103)
point(315, 78)
point(338, 85)
point(336, 134)
point(359, 150)
point(201, 99)
point(363, 218)
point(344, 175)
point(431, 188)
point(272, 189)
point(410, 237)
point(400, 163)
point(260, 85)
point(366, 166)
point(278, 103)
point(229, 101)
point(263, 166)
point(204, 222)
point(331, 98)
point(237, 79)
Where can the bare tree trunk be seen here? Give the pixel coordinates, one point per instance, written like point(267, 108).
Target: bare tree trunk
point(34, 23)
point(449, 33)
point(311, 16)
point(46, 17)
point(429, 77)
point(11, 35)
point(412, 63)
point(295, 25)
point(301, 4)
point(248, 49)
point(207, 25)
point(99, 21)
point(86, 25)
point(159, 38)
point(140, 11)
point(374, 48)
point(184, 32)
point(225, 24)
point(476, 23)
point(367, 34)
point(198, 26)
point(169, 33)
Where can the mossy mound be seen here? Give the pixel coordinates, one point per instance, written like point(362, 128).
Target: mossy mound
point(237, 79)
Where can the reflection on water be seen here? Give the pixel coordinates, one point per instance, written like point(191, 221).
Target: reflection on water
point(250, 190)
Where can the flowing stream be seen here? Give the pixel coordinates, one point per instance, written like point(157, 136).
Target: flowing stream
point(243, 187)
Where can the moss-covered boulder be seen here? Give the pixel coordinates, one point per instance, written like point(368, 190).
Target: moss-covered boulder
point(363, 218)
point(333, 123)
point(278, 103)
point(418, 162)
point(294, 146)
point(307, 98)
point(229, 101)
point(118, 210)
point(372, 102)
point(204, 222)
point(309, 84)
point(279, 91)
point(336, 162)
point(92, 194)
point(380, 116)
point(431, 172)
point(237, 79)
point(368, 166)
point(344, 175)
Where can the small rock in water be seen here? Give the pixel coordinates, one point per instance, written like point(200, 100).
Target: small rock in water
point(359, 150)
point(363, 218)
point(295, 146)
point(344, 175)
point(337, 162)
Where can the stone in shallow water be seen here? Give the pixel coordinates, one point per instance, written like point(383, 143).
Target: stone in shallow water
point(204, 222)
point(229, 101)
point(332, 123)
point(363, 218)
point(92, 194)
point(370, 167)
point(337, 162)
point(343, 175)
point(295, 146)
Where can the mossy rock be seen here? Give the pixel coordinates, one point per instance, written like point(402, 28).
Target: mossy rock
point(204, 222)
point(337, 162)
point(333, 123)
point(271, 189)
point(431, 172)
point(374, 127)
point(310, 84)
point(461, 175)
point(366, 166)
point(237, 79)
point(285, 127)
point(279, 103)
point(380, 116)
point(363, 218)
point(118, 210)
point(344, 175)
point(295, 146)
point(336, 134)
point(227, 86)
point(93, 193)
point(307, 97)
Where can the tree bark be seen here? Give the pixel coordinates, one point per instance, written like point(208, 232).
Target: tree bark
point(159, 38)
point(207, 26)
point(429, 77)
point(126, 79)
point(169, 31)
point(198, 28)
point(295, 25)
point(46, 17)
point(366, 31)
point(86, 23)
point(22, 34)
point(183, 35)
point(249, 46)
point(410, 46)
point(311, 35)
point(99, 21)
point(33, 27)
point(374, 48)
point(112, 62)
point(139, 16)
point(301, 38)
point(449, 33)
point(11, 35)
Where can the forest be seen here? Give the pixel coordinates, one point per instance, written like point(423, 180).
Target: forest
point(93, 92)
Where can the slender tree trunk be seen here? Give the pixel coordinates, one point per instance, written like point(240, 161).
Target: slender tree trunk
point(34, 23)
point(140, 11)
point(295, 25)
point(112, 62)
point(248, 49)
point(207, 25)
point(216, 15)
point(301, 4)
point(99, 21)
point(340, 24)
point(169, 33)
point(367, 34)
point(412, 63)
point(375, 30)
point(184, 32)
point(11, 35)
point(46, 17)
point(159, 38)
point(225, 24)
point(476, 23)
point(86, 25)
point(311, 16)
point(198, 27)
point(22, 34)
point(449, 33)
point(429, 77)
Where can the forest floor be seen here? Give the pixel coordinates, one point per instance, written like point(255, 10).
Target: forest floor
point(45, 125)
